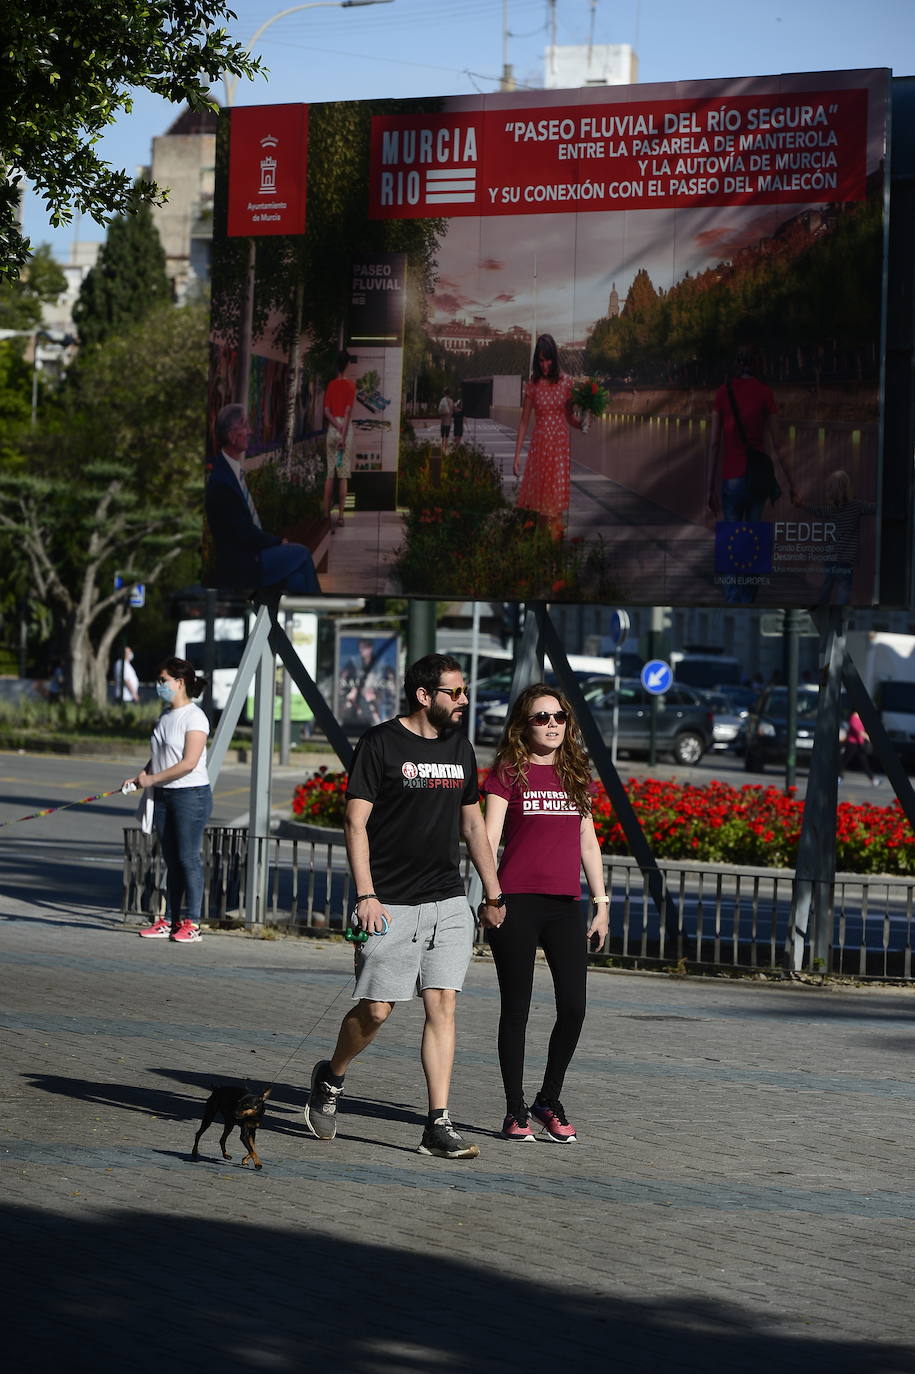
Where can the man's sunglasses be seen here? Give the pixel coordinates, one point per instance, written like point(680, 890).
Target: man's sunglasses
point(455, 693)
point(544, 717)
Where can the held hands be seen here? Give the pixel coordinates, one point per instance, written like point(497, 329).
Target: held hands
point(491, 916)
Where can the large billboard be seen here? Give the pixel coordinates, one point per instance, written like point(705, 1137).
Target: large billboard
point(707, 259)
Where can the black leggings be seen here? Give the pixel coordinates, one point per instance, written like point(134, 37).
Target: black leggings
point(558, 925)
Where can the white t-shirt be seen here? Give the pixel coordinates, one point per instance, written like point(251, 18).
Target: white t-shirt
point(167, 744)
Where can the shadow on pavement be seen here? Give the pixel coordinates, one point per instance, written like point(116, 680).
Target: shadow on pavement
point(136, 1289)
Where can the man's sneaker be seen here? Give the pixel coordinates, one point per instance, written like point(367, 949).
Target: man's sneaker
point(185, 933)
point(442, 1139)
point(321, 1107)
point(553, 1120)
point(517, 1127)
point(159, 930)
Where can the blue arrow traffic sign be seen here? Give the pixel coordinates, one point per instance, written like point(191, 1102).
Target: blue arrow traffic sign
point(657, 676)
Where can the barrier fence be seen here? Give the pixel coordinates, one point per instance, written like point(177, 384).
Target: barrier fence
point(721, 917)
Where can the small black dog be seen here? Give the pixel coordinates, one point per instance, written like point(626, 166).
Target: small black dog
point(238, 1107)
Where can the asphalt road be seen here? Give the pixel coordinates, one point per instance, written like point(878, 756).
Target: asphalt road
point(76, 855)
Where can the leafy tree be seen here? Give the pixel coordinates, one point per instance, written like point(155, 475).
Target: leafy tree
point(128, 280)
point(67, 69)
point(114, 485)
point(41, 283)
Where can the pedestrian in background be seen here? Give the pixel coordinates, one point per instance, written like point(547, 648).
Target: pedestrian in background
point(126, 682)
point(856, 748)
point(176, 782)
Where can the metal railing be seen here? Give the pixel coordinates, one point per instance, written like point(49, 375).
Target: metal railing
point(722, 916)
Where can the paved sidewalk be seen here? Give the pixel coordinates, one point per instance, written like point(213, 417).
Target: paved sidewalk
point(741, 1197)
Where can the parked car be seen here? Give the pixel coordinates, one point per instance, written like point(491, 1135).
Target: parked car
point(684, 729)
point(728, 723)
point(493, 692)
point(685, 722)
point(766, 726)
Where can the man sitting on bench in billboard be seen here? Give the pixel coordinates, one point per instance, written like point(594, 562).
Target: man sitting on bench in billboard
point(245, 555)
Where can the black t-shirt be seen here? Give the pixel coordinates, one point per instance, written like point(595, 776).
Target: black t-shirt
point(417, 787)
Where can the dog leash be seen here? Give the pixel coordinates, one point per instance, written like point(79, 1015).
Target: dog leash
point(356, 936)
point(49, 810)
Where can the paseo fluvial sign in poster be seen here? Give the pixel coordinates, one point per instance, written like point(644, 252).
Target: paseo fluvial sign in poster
point(707, 262)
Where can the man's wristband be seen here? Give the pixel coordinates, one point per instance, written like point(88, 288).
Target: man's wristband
point(494, 901)
point(366, 896)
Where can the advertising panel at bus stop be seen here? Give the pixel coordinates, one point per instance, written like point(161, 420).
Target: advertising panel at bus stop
point(708, 258)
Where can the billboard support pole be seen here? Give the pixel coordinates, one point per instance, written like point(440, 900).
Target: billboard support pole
point(528, 664)
point(259, 791)
point(324, 716)
point(600, 756)
point(815, 874)
point(238, 694)
point(889, 760)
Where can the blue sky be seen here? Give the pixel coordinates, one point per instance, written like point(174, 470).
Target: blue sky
point(442, 47)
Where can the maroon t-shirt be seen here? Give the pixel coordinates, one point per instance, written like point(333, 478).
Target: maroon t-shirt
point(542, 834)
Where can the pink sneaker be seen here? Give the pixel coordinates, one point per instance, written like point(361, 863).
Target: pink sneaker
point(159, 930)
point(186, 933)
point(554, 1123)
point(516, 1128)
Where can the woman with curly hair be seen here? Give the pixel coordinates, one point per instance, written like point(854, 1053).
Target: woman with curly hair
point(540, 790)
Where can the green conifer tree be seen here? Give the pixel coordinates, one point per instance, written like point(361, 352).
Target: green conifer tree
point(126, 283)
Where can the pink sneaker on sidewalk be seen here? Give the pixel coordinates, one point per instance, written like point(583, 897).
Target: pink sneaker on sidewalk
point(516, 1128)
point(554, 1123)
point(186, 933)
point(159, 930)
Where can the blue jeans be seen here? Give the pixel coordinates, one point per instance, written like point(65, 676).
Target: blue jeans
point(737, 504)
point(293, 566)
point(179, 816)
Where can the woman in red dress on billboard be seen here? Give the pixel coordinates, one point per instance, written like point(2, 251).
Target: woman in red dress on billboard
point(548, 398)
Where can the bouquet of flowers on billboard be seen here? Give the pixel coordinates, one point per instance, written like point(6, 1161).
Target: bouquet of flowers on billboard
point(589, 398)
point(367, 390)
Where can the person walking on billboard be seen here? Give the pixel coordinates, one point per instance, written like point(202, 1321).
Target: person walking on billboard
point(245, 555)
point(412, 791)
point(548, 399)
point(339, 399)
point(540, 791)
point(177, 785)
point(743, 417)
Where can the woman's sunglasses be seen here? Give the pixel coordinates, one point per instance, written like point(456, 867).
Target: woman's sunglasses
point(544, 717)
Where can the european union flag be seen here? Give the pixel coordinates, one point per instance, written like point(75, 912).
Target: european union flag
point(743, 547)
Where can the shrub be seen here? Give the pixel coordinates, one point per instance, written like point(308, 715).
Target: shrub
point(712, 823)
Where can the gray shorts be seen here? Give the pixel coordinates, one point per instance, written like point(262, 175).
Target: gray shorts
point(426, 946)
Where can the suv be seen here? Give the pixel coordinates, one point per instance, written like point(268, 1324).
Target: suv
point(766, 739)
point(685, 722)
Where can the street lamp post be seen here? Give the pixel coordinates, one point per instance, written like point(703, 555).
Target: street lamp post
point(229, 83)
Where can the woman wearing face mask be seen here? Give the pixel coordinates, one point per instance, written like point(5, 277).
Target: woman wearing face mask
point(176, 773)
point(540, 789)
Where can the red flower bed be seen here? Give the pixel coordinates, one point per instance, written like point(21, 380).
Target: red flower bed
point(714, 823)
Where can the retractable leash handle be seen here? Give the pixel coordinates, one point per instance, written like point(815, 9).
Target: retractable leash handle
point(357, 936)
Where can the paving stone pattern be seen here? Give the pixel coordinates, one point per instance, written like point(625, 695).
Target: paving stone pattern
point(741, 1196)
